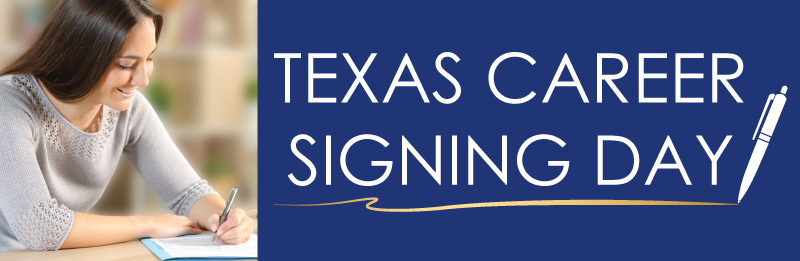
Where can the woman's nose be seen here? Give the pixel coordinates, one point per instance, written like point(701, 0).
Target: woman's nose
point(140, 78)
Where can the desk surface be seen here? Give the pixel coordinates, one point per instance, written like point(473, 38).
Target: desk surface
point(131, 250)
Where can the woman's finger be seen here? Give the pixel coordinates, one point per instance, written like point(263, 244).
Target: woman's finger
point(249, 235)
point(238, 233)
point(213, 222)
point(196, 231)
point(246, 235)
point(234, 218)
point(232, 234)
point(247, 225)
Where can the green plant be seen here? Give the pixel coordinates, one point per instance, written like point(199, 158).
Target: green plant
point(159, 96)
point(216, 167)
point(251, 92)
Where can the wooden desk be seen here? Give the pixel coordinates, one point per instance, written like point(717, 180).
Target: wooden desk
point(131, 250)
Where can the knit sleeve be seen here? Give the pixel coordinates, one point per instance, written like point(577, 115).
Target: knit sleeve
point(36, 219)
point(154, 155)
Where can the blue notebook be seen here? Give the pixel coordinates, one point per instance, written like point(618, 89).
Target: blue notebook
point(199, 247)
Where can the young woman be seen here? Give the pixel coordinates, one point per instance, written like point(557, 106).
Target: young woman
point(69, 109)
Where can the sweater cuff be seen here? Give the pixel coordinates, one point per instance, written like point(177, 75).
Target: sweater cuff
point(183, 203)
point(45, 226)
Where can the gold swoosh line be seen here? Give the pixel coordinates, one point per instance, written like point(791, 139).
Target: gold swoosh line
point(567, 202)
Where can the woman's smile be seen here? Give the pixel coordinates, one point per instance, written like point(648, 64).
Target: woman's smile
point(126, 93)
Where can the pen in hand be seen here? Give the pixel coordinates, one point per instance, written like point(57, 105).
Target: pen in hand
point(224, 215)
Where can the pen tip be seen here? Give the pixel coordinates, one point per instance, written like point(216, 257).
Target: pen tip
point(738, 201)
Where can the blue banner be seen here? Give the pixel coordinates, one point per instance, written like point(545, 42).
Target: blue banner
point(508, 130)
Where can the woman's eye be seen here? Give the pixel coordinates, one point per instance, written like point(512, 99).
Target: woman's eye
point(124, 68)
point(149, 59)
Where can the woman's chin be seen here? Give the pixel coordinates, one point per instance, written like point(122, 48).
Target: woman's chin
point(120, 105)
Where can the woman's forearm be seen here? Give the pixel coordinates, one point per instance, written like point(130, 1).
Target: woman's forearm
point(205, 207)
point(95, 230)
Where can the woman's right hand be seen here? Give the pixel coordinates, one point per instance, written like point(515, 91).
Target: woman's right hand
point(168, 225)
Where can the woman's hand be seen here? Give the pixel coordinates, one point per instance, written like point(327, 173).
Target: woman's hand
point(235, 230)
point(168, 225)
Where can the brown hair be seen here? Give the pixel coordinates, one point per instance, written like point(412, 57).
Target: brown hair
point(79, 42)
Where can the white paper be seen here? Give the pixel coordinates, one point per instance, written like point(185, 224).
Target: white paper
point(201, 246)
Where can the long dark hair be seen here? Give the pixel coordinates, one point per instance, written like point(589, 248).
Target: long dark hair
point(79, 42)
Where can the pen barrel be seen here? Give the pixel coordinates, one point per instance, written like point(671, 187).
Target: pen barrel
point(752, 166)
point(774, 113)
point(228, 204)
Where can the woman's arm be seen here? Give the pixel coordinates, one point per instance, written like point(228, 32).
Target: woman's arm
point(34, 217)
point(154, 155)
point(95, 230)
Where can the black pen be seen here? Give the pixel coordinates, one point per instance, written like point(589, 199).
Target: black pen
point(225, 213)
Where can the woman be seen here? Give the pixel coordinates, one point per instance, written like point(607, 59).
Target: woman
point(68, 110)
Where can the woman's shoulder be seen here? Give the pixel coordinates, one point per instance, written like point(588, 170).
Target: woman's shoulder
point(139, 103)
point(9, 82)
point(140, 108)
point(14, 79)
point(18, 99)
point(17, 89)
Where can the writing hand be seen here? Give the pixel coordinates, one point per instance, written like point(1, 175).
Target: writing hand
point(235, 230)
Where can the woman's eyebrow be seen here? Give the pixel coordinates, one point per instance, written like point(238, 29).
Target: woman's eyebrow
point(136, 56)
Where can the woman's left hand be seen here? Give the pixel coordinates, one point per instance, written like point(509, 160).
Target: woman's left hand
point(235, 230)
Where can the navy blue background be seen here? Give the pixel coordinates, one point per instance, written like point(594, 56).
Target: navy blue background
point(763, 226)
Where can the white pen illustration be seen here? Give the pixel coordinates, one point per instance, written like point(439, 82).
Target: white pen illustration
point(772, 115)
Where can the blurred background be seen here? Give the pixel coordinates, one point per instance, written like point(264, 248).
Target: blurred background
point(204, 88)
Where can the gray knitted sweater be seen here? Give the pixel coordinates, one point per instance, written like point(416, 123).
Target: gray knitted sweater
point(49, 168)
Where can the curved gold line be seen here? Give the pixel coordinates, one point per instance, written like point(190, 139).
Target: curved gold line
point(568, 202)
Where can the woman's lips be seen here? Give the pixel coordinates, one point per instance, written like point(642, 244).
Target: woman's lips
point(126, 94)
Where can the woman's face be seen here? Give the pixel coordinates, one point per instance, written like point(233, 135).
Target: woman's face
point(130, 69)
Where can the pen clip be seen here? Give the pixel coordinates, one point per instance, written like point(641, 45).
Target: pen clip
point(771, 97)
